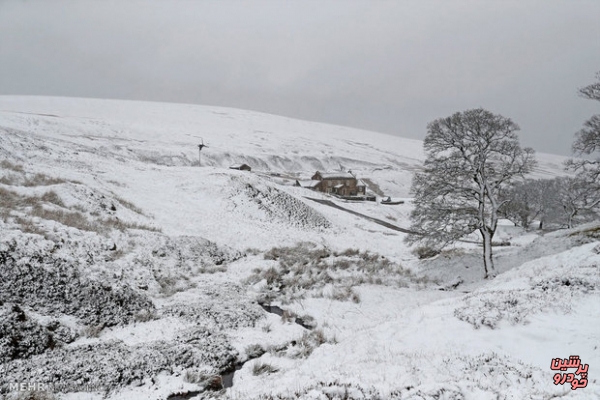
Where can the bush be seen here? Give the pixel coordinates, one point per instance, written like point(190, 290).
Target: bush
point(52, 197)
point(92, 331)
point(53, 286)
point(424, 252)
point(254, 351)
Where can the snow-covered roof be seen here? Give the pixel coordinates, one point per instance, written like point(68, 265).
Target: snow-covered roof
point(308, 184)
point(361, 183)
point(341, 185)
point(336, 175)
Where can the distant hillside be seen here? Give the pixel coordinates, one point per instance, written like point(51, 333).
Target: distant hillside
point(168, 134)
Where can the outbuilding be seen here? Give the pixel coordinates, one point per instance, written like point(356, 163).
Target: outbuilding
point(241, 167)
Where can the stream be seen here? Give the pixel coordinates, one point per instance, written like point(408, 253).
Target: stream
point(227, 377)
point(279, 311)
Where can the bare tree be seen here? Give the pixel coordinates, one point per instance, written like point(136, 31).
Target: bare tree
point(587, 140)
point(471, 157)
point(577, 197)
point(529, 200)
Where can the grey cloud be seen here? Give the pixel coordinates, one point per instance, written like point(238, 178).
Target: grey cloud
point(381, 65)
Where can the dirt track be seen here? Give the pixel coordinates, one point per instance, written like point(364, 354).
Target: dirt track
point(376, 220)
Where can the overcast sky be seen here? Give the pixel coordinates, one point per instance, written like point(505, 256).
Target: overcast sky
point(388, 66)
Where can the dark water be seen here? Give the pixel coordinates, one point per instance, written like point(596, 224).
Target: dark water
point(183, 396)
point(279, 311)
point(228, 377)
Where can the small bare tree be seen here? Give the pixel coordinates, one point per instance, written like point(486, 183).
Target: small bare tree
point(587, 140)
point(471, 157)
point(529, 200)
point(577, 197)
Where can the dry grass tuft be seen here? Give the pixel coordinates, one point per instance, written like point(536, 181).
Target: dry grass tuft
point(42, 180)
point(5, 164)
point(306, 269)
point(74, 219)
point(260, 368)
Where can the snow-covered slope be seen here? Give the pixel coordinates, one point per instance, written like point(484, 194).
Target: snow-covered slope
point(168, 134)
point(128, 267)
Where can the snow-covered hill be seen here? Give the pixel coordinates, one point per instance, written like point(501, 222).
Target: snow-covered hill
point(130, 268)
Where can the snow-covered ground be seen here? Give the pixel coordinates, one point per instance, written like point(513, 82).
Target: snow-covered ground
point(130, 268)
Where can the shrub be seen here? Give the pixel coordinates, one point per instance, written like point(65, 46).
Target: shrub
point(254, 351)
point(145, 315)
point(260, 368)
point(92, 331)
point(424, 252)
point(52, 197)
point(308, 343)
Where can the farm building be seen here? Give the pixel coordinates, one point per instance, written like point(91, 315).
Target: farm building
point(340, 183)
point(241, 167)
point(308, 184)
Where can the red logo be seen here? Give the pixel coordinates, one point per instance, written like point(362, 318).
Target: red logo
point(563, 365)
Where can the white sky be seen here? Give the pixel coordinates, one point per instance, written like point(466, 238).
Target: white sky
point(389, 66)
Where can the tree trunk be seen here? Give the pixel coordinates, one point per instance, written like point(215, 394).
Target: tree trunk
point(570, 221)
point(488, 262)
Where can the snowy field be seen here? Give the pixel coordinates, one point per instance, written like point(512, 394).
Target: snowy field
point(130, 269)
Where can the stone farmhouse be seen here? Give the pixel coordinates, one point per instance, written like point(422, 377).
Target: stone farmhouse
point(338, 183)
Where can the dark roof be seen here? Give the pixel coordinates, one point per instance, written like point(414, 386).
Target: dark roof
point(239, 166)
